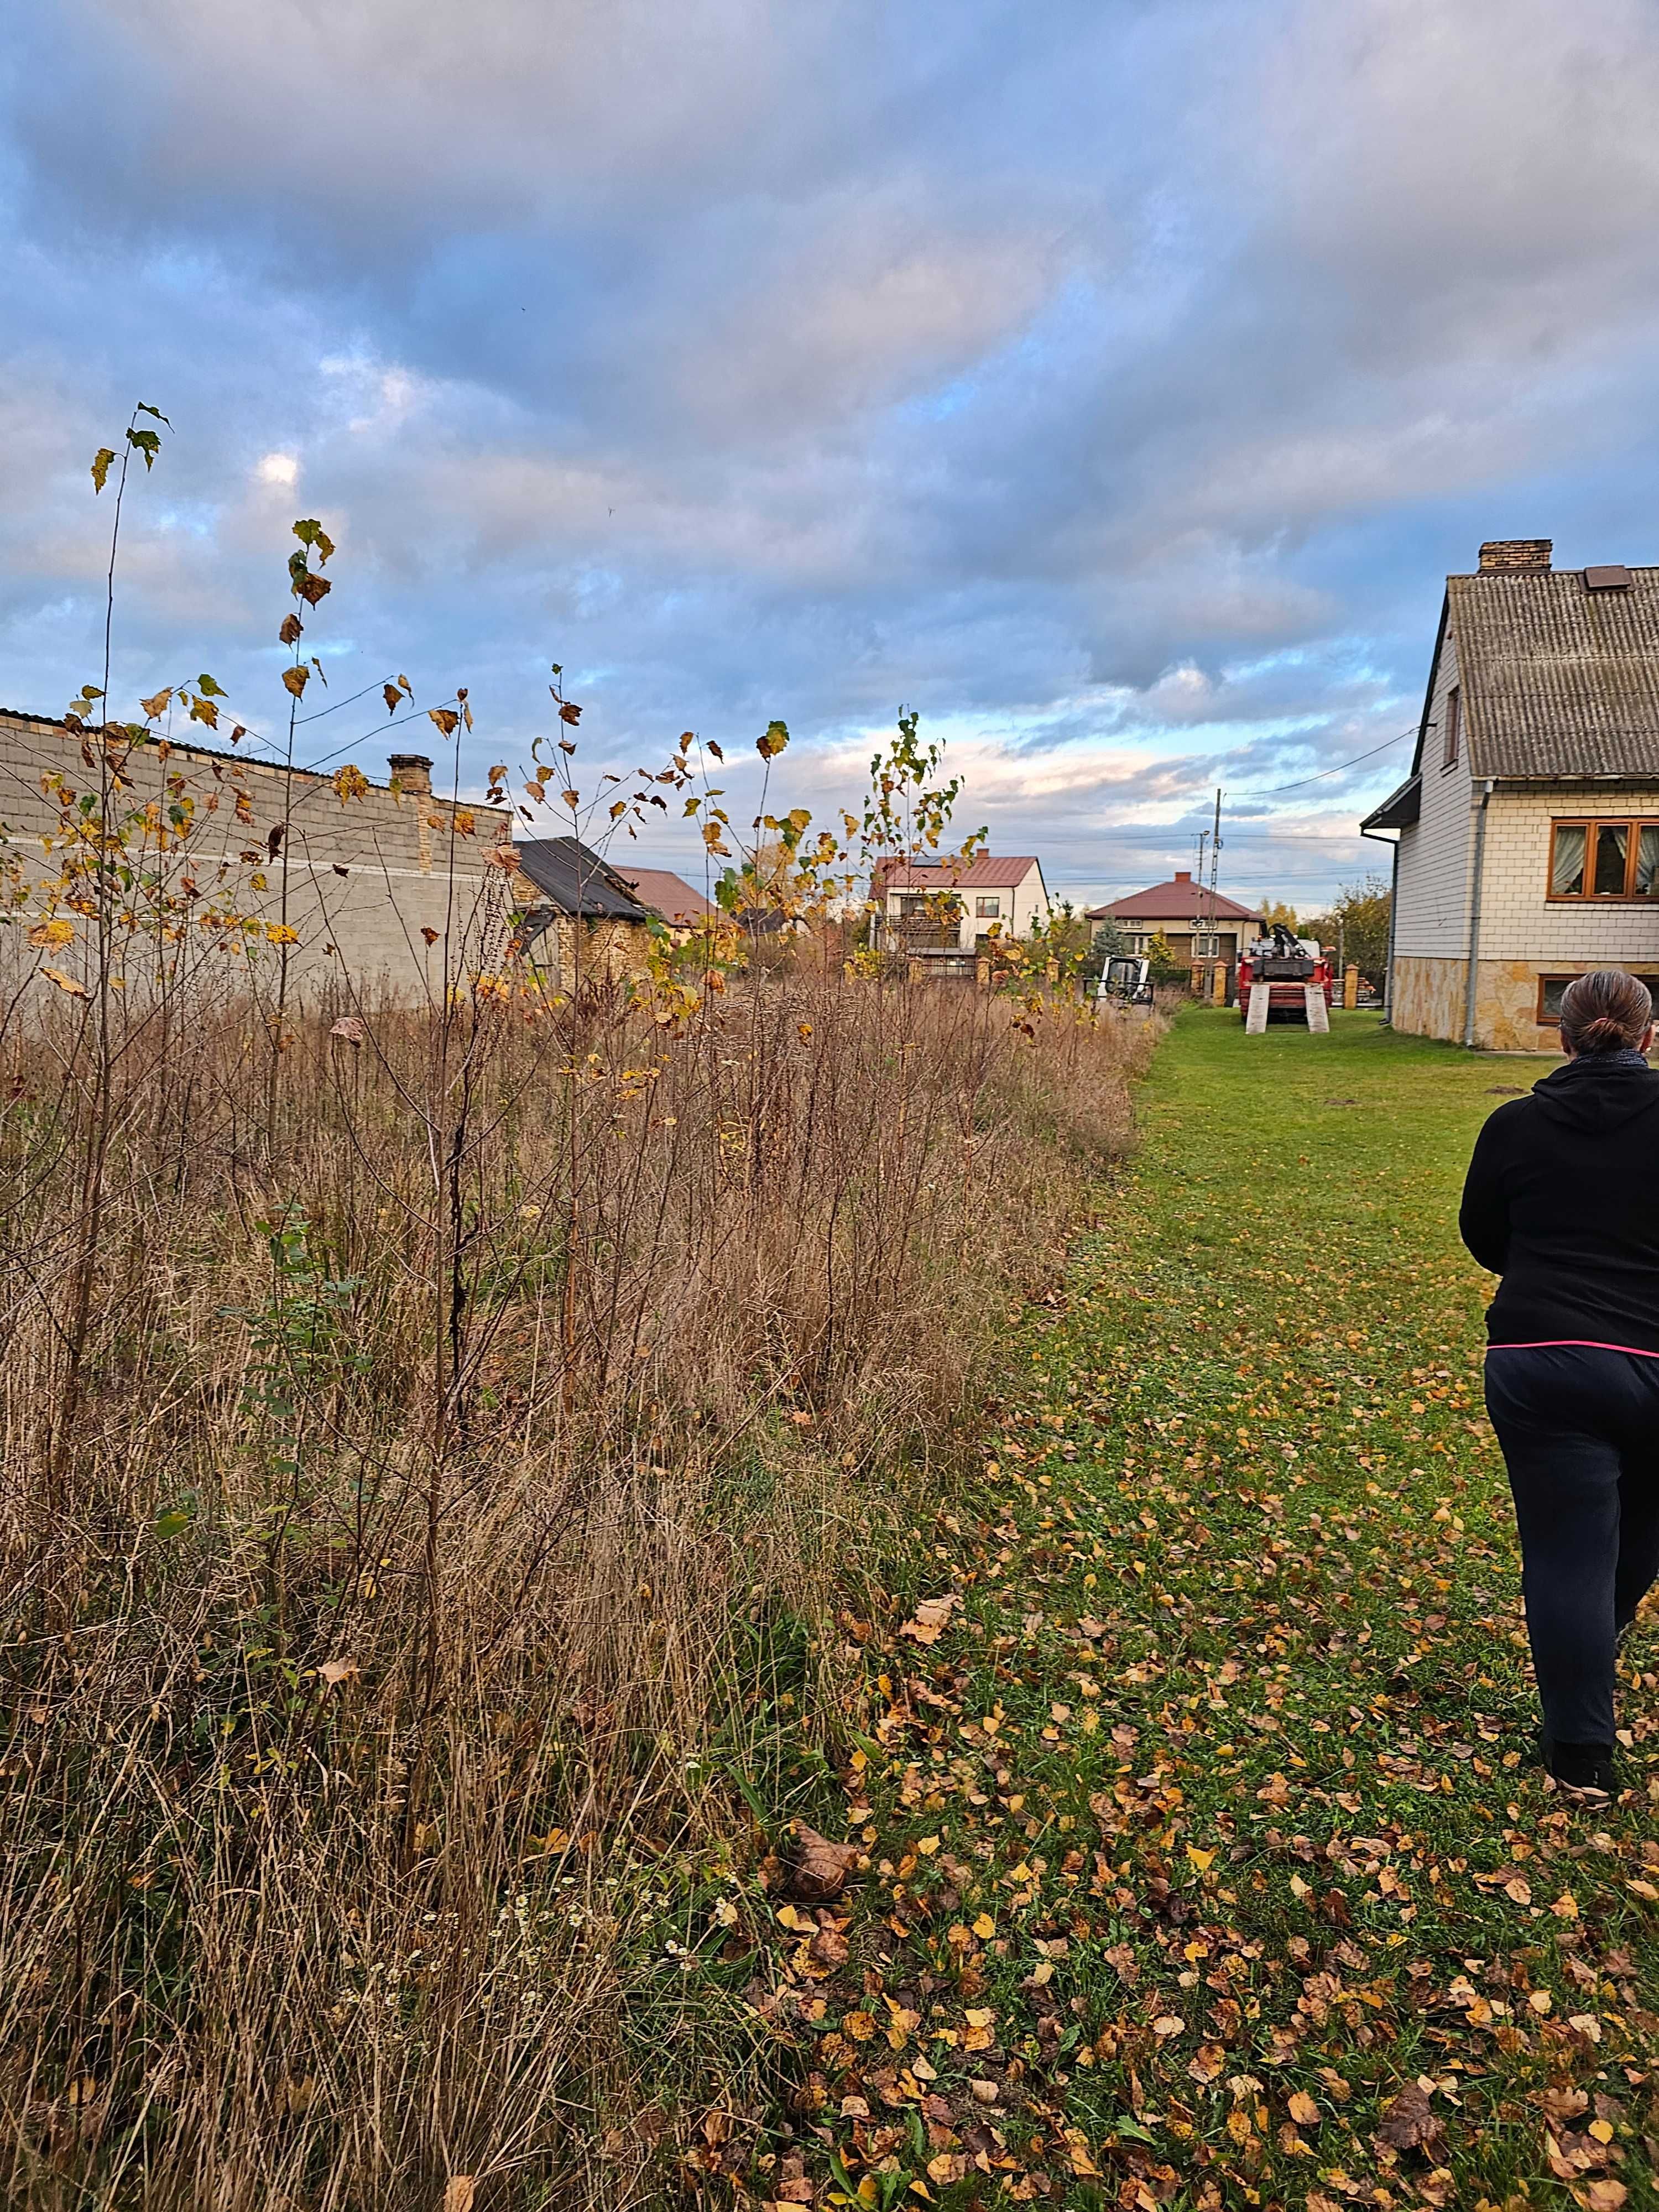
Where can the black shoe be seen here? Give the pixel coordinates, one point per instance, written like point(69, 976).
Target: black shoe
point(1586, 1769)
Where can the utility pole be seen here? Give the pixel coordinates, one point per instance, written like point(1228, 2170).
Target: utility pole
point(1204, 920)
point(1215, 863)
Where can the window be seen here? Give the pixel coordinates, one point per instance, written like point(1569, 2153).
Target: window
point(1454, 726)
point(1206, 948)
point(1550, 988)
point(987, 908)
point(1604, 860)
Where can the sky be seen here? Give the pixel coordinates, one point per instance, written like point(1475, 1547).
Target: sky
point(1112, 382)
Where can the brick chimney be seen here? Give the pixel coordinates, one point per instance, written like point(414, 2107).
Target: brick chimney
point(1183, 875)
point(1517, 557)
point(411, 773)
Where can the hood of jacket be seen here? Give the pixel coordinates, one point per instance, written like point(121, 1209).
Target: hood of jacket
point(1589, 1096)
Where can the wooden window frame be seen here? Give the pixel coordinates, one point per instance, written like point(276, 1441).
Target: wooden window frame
point(1592, 825)
point(1545, 1020)
point(1454, 730)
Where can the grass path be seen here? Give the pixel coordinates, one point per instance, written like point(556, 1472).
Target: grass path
point(1203, 1866)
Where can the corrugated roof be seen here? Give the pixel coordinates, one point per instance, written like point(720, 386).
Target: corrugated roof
point(667, 894)
point(1558, 679)
point(985, 872)
point(576, 881)
point(1182, 901)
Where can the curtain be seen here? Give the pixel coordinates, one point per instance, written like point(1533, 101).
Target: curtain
point(1567, 869)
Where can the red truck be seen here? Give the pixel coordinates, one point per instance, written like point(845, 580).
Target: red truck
point(1287, 965)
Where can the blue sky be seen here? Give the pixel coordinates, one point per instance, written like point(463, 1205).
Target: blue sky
point(1113, 382)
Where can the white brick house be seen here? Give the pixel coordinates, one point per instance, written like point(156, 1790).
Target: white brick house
point(1527, 832)
point(952, 908)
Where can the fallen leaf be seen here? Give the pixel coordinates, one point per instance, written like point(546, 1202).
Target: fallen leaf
point(65, 982)
point(1303, 2111)
point(820, 1867)
point(927, 1623)
point(457, 2193)
point(1409, 2123)
point(1605, 2195)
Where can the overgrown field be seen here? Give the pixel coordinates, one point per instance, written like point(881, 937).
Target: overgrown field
point(433, 1448)
point(1203, 1864)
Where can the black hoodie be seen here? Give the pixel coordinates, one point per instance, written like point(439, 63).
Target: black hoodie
point(1562, 1200)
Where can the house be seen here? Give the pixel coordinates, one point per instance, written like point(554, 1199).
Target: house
point(946, 911)
point(1182, 912)
point(1527, 834)
point(580, 921)
point(669, 896)
point(355, 890)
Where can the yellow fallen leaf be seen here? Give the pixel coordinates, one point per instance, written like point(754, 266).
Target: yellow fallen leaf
point(65, 982)
point(985, 1927)
point(1203, 1861)
point(1303, 2111)
point(927, 1623)
point(1169, 2023)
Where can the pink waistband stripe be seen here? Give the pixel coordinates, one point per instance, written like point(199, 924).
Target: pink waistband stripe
point(1581, 1343)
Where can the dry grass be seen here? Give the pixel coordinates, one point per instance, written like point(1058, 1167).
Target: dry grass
point(401, 1595)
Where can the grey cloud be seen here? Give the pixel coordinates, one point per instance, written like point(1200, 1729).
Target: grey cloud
point(1109, 383)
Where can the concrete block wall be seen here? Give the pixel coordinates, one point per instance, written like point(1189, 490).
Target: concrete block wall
point(388, 890)
point(1519, 921)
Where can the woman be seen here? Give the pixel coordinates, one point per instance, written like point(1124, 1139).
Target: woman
point(1562, 1200)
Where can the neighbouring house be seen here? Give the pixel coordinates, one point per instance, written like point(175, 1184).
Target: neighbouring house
point(947, 912)
point(669, 896)
point(582, 922)
point(364, 891)
point(1200, 926)
point(1527, 834)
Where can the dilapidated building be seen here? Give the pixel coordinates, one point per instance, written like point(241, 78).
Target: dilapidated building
point(361, 890)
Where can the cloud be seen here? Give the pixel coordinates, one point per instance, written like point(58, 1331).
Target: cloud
point(1113, 385)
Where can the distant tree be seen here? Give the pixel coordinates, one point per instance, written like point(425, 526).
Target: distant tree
point(1165, 964)
point(1110, 942)
point(1276, 910)
point(1067, 934)
point(1360, 913)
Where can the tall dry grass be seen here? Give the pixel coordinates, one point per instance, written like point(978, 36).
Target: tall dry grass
point(417, 1611)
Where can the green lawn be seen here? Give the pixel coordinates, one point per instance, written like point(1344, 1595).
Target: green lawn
point(1202, 1830)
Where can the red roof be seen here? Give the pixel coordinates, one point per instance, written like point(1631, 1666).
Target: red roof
point(1182, 900)
point(666, 894)
point(985, 872)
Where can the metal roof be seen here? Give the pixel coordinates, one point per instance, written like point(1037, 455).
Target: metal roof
point(1180, 900)
point(1400, 809)
point(1559, 676)
point(667, 894)
point(985, 872)
point(576, 881)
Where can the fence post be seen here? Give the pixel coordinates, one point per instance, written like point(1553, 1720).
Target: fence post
point(1351, 987)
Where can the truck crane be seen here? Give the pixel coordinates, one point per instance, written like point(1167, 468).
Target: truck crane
point(1284, 977)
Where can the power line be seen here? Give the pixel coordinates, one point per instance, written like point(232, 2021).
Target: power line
point(1272, 789)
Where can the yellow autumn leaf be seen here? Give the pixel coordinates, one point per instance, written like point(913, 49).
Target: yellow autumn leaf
point(55, 930)
point(65, 982)
point(985, 1927)
point(1203, 1861)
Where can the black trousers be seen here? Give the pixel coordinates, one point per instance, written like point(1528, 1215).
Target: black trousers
point(1580, 1432)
